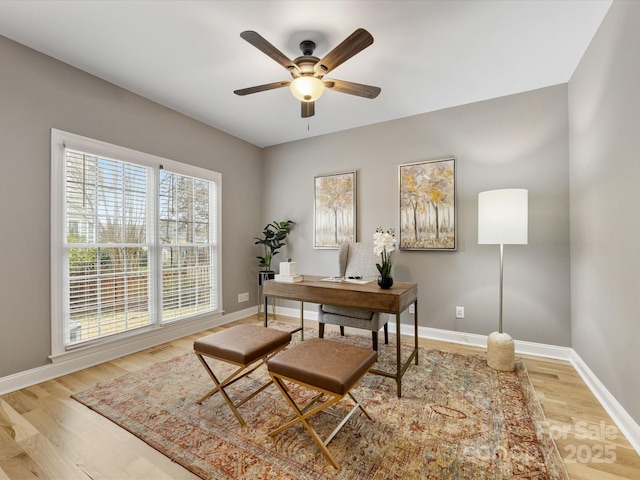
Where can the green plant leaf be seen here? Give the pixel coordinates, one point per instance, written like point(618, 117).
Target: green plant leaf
point(273, 238)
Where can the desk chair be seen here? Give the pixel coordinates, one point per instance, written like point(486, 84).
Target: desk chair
point(356, 259)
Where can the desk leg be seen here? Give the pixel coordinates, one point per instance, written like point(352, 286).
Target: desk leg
point(302, 321)
point(266, 311)
point(398, 357)
point(415, 328)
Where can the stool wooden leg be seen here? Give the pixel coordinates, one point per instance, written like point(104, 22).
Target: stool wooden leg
point(360, 406)
point(234, 377)
point(220, 388)
point(302, 418)
point(354, 409)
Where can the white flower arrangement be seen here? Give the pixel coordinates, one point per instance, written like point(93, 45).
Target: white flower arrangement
point(383, 244)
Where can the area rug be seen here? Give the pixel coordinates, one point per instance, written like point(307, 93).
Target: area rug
point(457, 419)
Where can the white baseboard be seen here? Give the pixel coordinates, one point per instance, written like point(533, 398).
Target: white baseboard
point(522, 347)
point(79, 360)
point(618, 414)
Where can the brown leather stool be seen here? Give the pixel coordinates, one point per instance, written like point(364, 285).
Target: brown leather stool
point(332, 369)
point(242, 345)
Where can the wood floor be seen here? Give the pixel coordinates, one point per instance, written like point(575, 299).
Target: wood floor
point(44, 434)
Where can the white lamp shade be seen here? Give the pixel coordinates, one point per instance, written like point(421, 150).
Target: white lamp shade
point(503, 217)
point(307, 88)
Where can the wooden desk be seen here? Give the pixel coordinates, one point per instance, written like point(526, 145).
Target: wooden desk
point(368, 296)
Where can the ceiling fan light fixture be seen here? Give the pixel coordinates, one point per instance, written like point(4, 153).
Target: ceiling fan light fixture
point(307, 88)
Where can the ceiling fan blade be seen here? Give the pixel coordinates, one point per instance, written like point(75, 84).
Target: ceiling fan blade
point(308, 109)
point(366, 91)
point(258, 41)
point(352, 45)
point(261, 88)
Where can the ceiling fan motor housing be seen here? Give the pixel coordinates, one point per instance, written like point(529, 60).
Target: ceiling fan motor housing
point(307, 61)
point(307, 47)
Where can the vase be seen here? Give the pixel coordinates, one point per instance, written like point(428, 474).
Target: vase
point(265, 275)
point(385, 282)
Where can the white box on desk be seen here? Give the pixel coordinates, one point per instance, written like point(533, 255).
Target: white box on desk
point(289, 268)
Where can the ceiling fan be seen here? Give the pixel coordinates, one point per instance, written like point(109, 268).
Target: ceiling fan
point(308, 71)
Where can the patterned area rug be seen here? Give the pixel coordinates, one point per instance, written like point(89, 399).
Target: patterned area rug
point(457, 419)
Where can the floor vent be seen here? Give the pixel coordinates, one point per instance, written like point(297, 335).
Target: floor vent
point(161, 348)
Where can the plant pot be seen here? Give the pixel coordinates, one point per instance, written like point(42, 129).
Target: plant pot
point(385, 282)
point(265, 275)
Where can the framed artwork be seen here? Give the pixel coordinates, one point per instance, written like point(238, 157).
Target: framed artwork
point(428, 205)
point(334, 210)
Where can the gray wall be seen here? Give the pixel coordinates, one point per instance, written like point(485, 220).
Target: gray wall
point(604, 112)
point(38, 93)
point(516, 141)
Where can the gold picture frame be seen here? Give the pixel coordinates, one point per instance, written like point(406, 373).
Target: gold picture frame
point(334, 216)
point(428, 219)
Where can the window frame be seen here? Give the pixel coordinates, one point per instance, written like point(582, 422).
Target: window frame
point(61, 140)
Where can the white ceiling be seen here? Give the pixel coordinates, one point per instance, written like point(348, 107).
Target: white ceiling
point(427, 55)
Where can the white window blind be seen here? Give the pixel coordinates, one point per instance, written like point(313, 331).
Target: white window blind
point(134, 244)
point(185, 231)
point(107, 245)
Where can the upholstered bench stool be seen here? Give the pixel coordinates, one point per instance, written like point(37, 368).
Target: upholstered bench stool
point(332, 369)
point(244, 346)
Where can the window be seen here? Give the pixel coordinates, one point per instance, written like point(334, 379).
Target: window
point(135, 241)
point(187, 256)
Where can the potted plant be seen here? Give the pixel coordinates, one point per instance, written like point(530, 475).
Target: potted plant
point(273, 238)
point(384, 243)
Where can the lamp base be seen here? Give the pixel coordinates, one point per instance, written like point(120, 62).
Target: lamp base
point(501, 352)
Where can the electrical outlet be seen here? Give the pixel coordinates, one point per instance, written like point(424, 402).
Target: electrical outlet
point(459, 312)
point(243, 297)
point(412, 309)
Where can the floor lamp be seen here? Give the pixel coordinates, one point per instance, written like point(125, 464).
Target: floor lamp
point(502, 220)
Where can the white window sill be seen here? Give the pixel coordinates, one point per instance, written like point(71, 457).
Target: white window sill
point(108, 349)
